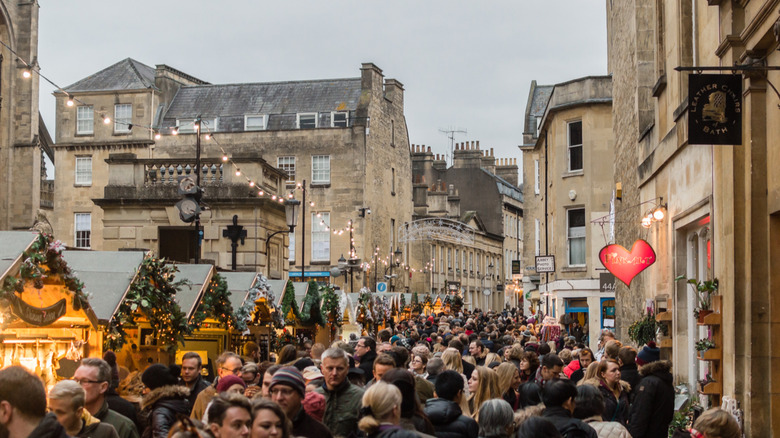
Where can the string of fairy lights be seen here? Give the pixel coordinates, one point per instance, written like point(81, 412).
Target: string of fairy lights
point(199, 124)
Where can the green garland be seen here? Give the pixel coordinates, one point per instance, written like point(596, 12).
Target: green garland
point(152, 293)
point(215, 304)
point(43, 260)
point(643, 329)
point(290, 304)
point(311, 313)
point(331, 307)
point(416, 307)
point(457, 304)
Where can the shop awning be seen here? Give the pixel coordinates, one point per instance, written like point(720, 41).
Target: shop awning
point(189, 295)
point(238, 284)
point(107, 275)
point(12, 245)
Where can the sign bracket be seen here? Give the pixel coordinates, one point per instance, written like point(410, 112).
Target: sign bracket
point(752, 67)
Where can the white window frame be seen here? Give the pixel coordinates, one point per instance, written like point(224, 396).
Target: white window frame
point(82, 171)
point(571, 146)
point(317, 172)
point(87, 122)
point(320, 237)
point(82, 223)
point(263, 127)
point(333, 121)
point(579, 233)
point(122, 123)
point(537, 178)
point(187, 126)
point(287, 168)
point(298, 119)
point(537, 237)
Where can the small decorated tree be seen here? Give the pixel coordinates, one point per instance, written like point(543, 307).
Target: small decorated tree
point(290, 305)
point(215, 304)
point(311, 314)
point(331, 308)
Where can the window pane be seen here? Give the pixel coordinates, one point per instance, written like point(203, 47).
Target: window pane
point(575, 158)
point(83, 228)
point(292, 247)
point(320, 237)
point(187, 126)
point(307, 121)
point(320, 169)
point(575, 133)
point(123, 116)
point(339, 120)
point(288, 165)
point(83, 170)
point(576, 236)
point(84, 120)
point(254, 123)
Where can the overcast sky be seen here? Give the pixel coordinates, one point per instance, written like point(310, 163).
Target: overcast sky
point(466, 65)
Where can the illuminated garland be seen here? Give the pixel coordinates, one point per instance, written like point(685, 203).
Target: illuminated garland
point(331, 309)
point(215, 304)
point(42, 261)
point(153, 293)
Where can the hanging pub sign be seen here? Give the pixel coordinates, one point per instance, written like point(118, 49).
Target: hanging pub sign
point(714, 109)
point(38, 316)
point(626, 265)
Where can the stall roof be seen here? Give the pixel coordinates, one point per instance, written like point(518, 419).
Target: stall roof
point(238, 284)
point(277, 288)
point(189, 295)
point(12, 245)
point(107, 275)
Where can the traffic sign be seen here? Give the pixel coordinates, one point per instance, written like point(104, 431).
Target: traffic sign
point(381, 287)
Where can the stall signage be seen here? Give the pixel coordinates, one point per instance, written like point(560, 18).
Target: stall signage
point(714, 109)
point(38, 316)
point(516, 267)
point(624, 264)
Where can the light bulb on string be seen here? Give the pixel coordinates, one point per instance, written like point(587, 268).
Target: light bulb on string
point(224, 158)
point(261, 193)
point(175, 131)
point(157, 135)
point(647, 221)
point(251, 183)
point(273, 197)
point(238, 172)
point(311, 204)
point(106, 120)
point(208, 136)
point(70, 100)
point(27, 72)
point(658, 214)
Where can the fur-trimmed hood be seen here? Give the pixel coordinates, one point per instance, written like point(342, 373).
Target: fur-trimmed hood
point(177, 392)
point(659, 366)
point(624, 386)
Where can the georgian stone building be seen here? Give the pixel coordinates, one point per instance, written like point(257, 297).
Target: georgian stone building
point(25, 200)
point(478, 192)
point(567, 155)
point(345, 138)
point(722, 202)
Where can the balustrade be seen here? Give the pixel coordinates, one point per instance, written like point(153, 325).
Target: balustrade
point(167, 172)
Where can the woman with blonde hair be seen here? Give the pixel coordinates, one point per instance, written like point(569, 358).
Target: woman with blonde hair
point(381, 412)
point(483, 385)
point(453, 362)
point(590, 373)
point(508, 382)
point(492, 357)
point(614, 390)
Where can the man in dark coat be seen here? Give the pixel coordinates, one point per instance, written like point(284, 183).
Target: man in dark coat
point(653, 406)
point(287, 389)
point(66, 402)
point(23, 407)
point(191, 364)
point(558, 396)
point(365, 349)
point(628, 369)
point(165, 402)
point(586, 358)
point(445, 413)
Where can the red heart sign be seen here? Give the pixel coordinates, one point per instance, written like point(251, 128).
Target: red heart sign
point(626, 265)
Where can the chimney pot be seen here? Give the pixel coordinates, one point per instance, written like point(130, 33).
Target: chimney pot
point(429, 149)
point(477, 144)
point(491, 152)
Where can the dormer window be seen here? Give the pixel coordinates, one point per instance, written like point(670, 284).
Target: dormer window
point(254, 122)
point(307, 120)
point(339, 119)
point(187, 126)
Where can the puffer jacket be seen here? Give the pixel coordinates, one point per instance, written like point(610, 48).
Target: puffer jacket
point(160, 408)
point(653, 406)
point(607, 429)
point(615, 408)
point(448, 419)
point(342, 406)
point(49, 427)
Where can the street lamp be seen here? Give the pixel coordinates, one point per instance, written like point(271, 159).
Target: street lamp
point(291, 207)
point(394, 262)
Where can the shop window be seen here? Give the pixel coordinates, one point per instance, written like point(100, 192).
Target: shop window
point(607, 313)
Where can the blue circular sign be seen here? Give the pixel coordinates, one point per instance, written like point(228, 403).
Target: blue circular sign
point(381, 287)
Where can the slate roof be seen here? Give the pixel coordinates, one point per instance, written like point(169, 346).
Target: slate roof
point(281, 101)
point(189, 295)
point(127, 74)
point(12, 245)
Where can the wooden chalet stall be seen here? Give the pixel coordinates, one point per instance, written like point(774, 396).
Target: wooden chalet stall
point(47, 322)
point(245, 289)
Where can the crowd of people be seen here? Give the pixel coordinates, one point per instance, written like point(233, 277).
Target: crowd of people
point(470, 375)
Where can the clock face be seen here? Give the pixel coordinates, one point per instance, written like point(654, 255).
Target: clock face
point(187, 184)
point(188, 206)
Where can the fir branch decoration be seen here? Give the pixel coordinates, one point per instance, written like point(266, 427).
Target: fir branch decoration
point(311, 314)
point(215, 304)
point(152, 293)
point(289, 304)
point(42, 262)
point(331, 309)
point(244, 313)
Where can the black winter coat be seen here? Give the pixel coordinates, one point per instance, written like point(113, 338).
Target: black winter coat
point(49, 428)
point(568, 427)
point(653, 406)
point(448, 419)
point(160, 408)
point(630, 374)
point(615, 408)
point(367, 365)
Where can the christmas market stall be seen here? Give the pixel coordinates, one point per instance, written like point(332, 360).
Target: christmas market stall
point(46, 320)
point(204, 298)
point(246, 288)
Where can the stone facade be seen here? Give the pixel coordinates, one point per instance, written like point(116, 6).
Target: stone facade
point(368, 166)
point(721, 201)
point(567, 151)
point(480, 192)
point(23, 135)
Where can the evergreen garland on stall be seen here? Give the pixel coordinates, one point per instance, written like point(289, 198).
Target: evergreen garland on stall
point(457, 303)
point(42, 262)
point(289, 304)
point(153, 293)
point(331, 307)
point(416, 307)
point(215, 304)
point(311, 313)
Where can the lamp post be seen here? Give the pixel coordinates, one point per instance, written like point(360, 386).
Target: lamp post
point(394, 262)
point(343, 269)
point(291, 207)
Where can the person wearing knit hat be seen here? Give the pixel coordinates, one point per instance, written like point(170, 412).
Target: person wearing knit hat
point(231, 383)
point(165, 400)
point(650, 353)
point(288, 389)
point(314, 405)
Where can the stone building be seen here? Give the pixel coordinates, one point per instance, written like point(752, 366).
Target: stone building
point(26, 198)
point(567, 155)
point(345, 138)
point(479, 194)
point(721, 202)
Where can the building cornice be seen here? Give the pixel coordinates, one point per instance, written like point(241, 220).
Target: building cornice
point(122, 144)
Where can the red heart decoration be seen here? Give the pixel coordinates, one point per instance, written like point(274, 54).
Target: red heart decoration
point(626, 265)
